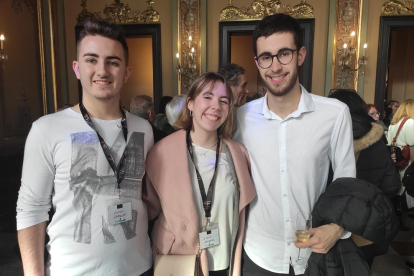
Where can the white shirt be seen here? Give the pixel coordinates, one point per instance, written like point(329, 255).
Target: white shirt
point(223, 202)
point(290, 162)
point(405, 137)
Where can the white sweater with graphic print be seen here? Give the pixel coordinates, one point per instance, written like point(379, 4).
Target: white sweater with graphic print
point(64, 166)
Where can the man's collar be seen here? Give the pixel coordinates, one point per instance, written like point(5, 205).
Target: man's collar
point(305, 105)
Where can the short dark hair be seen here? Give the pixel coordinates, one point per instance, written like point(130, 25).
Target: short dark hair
point(369, 106)
point(278, 23)
point(103, 28)
point(231, 72)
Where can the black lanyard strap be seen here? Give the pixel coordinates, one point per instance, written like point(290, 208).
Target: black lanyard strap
point(207, 198)
point(118, 169)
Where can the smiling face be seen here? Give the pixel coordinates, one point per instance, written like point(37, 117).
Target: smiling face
point(210, 108)
point(101, 68)
point(280, 79)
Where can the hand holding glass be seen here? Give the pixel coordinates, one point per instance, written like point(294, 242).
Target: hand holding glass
point(303, 225)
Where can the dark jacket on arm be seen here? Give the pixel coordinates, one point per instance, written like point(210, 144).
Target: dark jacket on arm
point(360, 208)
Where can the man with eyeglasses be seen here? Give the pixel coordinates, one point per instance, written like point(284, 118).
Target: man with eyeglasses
point(293, 137)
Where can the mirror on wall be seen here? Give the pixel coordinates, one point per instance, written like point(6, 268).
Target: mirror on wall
point(144, 45)
point(235, 46)
point(395, 80)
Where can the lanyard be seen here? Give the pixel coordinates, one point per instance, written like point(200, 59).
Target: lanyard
point(118, 169)
point(207, 199)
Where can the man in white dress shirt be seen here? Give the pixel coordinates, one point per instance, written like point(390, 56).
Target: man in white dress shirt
point(292, 138)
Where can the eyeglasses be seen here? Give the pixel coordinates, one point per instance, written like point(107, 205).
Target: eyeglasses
point(373, 113)
point(285, 56)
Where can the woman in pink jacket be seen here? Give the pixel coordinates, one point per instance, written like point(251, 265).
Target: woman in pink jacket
point(198, 182)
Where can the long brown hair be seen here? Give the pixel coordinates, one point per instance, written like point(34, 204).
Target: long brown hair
point(209, 79)
point(406, 110)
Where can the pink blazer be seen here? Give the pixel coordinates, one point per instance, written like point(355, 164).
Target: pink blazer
point(169, 193)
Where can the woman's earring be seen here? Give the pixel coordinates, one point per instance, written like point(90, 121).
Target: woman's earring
point(191, 113)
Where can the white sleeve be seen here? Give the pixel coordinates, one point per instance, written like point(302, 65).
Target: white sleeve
point(34, 201)
point(346, 235)
point(238, 135)
point(342, 148)
point(408, 132)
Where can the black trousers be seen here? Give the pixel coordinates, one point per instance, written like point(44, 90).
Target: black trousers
point(252, 269)
point(372, 250)
point(224, 272)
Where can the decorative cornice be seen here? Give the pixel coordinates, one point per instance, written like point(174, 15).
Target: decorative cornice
point(262, 8)
point(17, 5)
point(394, 7)
point(120, 13)
point(81, 18)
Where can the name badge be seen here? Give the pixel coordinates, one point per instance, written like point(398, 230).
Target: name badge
point(119, 213)
point(209, 238)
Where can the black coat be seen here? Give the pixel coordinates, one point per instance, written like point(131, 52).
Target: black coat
point(360, 208)
point(374, 163)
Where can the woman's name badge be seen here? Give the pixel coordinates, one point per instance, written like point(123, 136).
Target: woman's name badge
point(209, 238)
point(119, 213)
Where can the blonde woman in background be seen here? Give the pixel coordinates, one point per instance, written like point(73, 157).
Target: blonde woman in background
point(405, 138)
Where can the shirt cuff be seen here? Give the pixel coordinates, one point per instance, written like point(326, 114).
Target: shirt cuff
point(346, 235)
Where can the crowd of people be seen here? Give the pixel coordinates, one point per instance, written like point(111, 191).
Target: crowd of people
point(212, 179)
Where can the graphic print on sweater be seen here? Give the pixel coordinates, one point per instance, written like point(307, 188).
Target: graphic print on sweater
point(85, 182)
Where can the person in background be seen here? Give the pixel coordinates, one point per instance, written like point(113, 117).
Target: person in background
point(160, 119)
point(143, 106)
point(390, 110)
point(373, 160)
point(374, 113)
point(198, 180)
point(405, 138)
point(173, 108)
point(236, 78)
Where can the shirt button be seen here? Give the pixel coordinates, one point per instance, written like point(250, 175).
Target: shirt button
point(282, 170)
point(284, 195)
point(288, 243)
point(281, 145)
point(287, 220)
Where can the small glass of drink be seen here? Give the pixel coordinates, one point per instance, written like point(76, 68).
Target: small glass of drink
point(303, 225)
